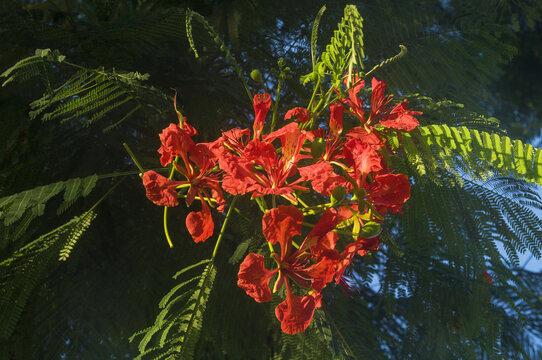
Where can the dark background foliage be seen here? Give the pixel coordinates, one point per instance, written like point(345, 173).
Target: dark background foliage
point(485, 55)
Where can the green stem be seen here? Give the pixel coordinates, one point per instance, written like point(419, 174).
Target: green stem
point(276, 104)
point(133, 157)
point(166, 231)
point(401, 54)
point(223, 229)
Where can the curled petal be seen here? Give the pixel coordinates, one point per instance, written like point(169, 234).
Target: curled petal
point(160, 190)
point(254, 278)
point(297, 114)
point(295, 313)
point(282, 224)
point(321, 235)
point(200, 223)
point(262, 103)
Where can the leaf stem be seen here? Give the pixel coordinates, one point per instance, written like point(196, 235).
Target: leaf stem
point(133, 157)
point(223, 229)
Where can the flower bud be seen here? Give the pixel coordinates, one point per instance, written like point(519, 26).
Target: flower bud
point(256, 75)
point(370, 230)
point(318, 147)
point(338, 195)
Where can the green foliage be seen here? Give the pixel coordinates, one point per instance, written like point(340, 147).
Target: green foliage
point(343, 52)
point(88, 95)
point(31, 203)
point(31, 66)
point(22, 271)
point(218, 42)
point(476, 153)
point(177, 327)
point(434, 252)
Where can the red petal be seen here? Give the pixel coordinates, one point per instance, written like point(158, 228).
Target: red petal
point(254, 278)
point(321, 235)
point(400, 118)
point(390, 191)
point(175, 141)
point(323, 178)
point(366, 245)
point(282, 224)
point(288, 128)
point(295, 313)
point(363, 156)
point(261, 153)
point(160, 190)
point(336, 118)
point(262, 103)
point(370, 138)
point(200, 223)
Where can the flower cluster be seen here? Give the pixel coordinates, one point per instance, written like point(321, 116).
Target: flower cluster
point(347, 171)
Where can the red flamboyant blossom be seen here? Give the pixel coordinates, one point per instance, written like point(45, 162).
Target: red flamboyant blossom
point(398, 118)
point(260, 170)
point(305, 268)
point(200, 174)
point(196, 162)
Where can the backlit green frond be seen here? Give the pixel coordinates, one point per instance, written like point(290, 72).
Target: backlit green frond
point(177, 327)
point(477, 153)
point(75, 234)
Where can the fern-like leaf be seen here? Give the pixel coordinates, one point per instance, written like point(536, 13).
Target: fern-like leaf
point(177, 327)
point(477, 153)
point(21, 272)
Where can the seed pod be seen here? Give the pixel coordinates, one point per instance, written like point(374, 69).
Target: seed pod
point(256, 75)
point(370, 230)
point(338, 195)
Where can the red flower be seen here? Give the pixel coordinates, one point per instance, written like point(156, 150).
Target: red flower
point(299, 115)
point(175, 141)
point(306, 269)
point(399, 118)
point(260, 170)
point(262, 103)
point(160, 190)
